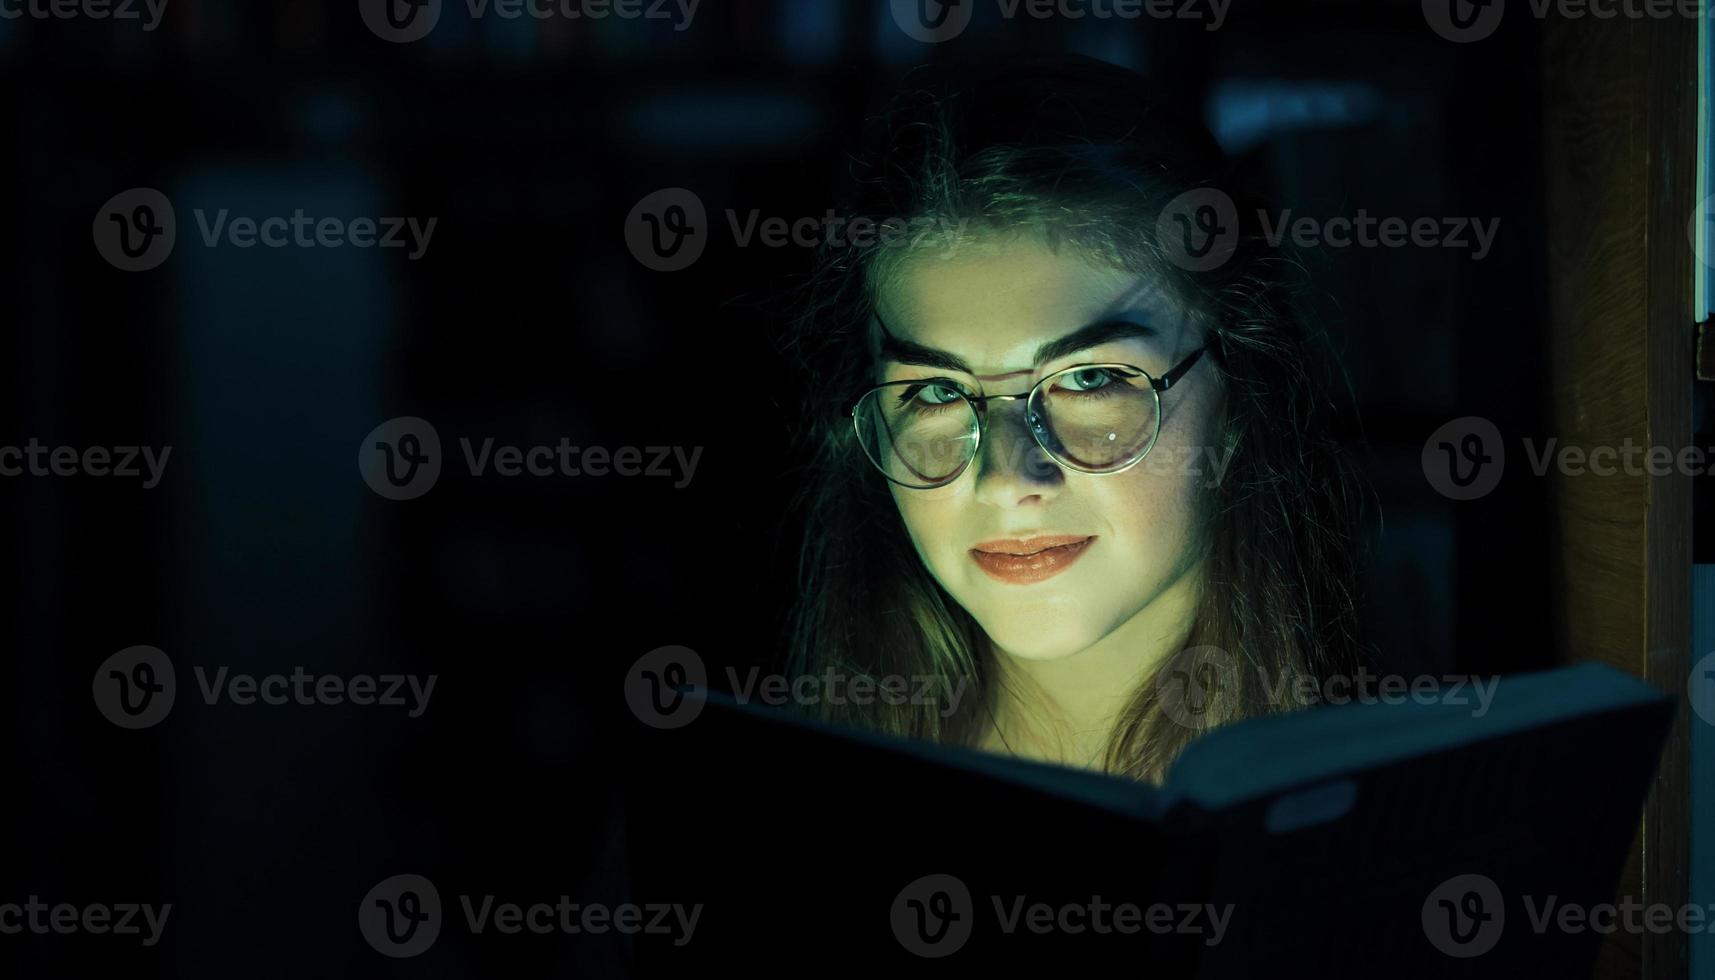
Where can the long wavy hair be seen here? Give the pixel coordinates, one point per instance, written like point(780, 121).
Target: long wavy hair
point(1071, 150)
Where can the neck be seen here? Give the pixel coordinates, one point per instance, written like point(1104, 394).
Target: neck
point(1067, 709)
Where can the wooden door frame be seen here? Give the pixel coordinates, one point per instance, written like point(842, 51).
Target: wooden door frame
point(1620, 156)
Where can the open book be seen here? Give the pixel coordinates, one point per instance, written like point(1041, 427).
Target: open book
point(1424, 837)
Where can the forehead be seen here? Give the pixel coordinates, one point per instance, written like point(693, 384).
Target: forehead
point(993, 303)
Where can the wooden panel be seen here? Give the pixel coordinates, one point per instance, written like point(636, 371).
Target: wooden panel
point(1620, 119)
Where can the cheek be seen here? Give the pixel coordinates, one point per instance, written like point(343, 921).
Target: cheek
point(1150, 509)
point(929, 518)
point(1163, 501)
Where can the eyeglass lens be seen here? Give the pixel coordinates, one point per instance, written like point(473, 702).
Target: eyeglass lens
point(1093, 418)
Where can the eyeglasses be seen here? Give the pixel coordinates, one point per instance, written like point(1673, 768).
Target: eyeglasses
point(1093, 418)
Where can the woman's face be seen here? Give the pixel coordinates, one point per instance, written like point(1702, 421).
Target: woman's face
point(988, 307)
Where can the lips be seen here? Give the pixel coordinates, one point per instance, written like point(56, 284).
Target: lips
point(1023, 561)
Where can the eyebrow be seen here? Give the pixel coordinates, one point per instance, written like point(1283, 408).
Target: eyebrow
point(897, 349)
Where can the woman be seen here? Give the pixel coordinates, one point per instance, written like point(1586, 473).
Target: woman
point(1152, 537)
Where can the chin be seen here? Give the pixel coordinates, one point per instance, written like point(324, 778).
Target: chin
point(1041, 649)
point(1049, 621)
point(1040, 637)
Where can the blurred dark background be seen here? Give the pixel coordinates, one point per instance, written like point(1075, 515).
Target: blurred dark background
point(527, 320)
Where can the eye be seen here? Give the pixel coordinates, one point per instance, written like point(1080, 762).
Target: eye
point(930, 394)
point(1086, 379)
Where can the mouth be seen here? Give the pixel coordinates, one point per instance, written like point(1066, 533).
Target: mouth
point(1018, 562)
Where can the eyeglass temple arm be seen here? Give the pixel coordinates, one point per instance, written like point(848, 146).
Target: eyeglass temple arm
point(1167, 380)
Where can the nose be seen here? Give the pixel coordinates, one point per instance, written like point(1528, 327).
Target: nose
point(1012, 469)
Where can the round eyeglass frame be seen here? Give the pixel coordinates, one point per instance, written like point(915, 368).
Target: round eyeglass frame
point(1038, 430)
